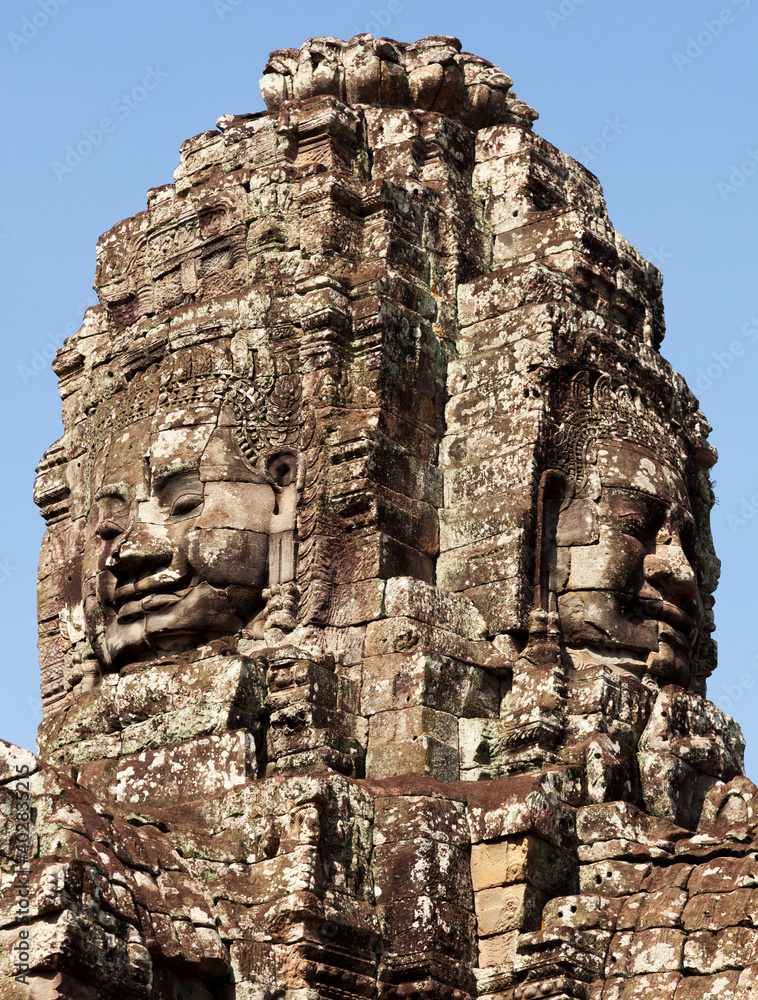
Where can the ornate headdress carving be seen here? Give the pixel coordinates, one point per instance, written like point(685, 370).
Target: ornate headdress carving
point(259, 387)
point(591, 406)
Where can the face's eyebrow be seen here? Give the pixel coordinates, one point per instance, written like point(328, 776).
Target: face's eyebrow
point(620, 495)
point(162, 474)
point(112, 491)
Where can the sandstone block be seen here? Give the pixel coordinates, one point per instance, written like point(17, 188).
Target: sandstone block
point(420, 755)
point(715, 911)
point(303, 681)
point(518, 805)
point(657, 986)
point(499, 950)
point(657, 950)
point(607, 821)
point(747, 983)
point(517, 859)
point(395, 681)
point(722, 875)
point(408, 598)
point(583, 912)
point(402, 816)
point(348, 761)
point(418, 867)
point(298, 728)
point(583, 951)
point(644, 910)
point(721, 987)
point(671, 875)
point(480, 744)
point(388, 728)
point(195, 769)
point(503, 909)
point(707, 953)
point(420, 927)
point(613, 878)
point(404, 635)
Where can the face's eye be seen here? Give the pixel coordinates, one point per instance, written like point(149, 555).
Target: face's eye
point(636, 526)
point(186, 503)
point(109, 530)
point(632, 513)
point(689, 541)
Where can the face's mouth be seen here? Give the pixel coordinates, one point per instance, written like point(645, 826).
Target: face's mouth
point(674, 623)
point(155, 593)
point(134, 610)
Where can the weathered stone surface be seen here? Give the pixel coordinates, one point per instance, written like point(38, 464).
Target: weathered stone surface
point(375, 599)
point(507, 908)
point(613, 878)
point(518, 859)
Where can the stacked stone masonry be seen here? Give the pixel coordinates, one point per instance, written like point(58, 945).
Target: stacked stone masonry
point(376, 595)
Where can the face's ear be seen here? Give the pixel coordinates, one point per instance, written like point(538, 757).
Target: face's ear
point(552, 492)
point(283, 469)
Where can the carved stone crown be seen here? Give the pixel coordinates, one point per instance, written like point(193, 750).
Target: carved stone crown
point(593, 407)
point(429, 75)
point(262, 391)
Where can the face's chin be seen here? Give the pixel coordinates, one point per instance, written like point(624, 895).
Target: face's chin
point(159, 624)
point(670, 663)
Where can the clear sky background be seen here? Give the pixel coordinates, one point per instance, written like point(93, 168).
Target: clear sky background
point(659, 100)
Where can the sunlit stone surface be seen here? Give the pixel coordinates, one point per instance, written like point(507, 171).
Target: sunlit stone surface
point(376, 597)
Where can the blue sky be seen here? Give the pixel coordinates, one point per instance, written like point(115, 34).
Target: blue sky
point(659, 100)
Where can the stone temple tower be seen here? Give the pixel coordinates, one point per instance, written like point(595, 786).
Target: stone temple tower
point(376, 597)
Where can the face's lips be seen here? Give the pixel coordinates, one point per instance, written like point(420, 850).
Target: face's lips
point(156, 586)
point(665, 611)
point(134, 610)
point(674, 621)
point(157, 602)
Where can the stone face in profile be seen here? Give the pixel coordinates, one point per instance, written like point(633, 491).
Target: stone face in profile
point(625, 557)
point(376, 597)
point(625, 573)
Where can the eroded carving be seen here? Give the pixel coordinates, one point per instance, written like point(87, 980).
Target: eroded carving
point(376, 597)
point(621, 545)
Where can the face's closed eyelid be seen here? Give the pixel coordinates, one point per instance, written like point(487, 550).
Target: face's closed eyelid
point(186, 503)
point(112, 491)
point(635, 520)
point(109, 504)
point(179, 492)
point(636, 527)
point(168, 476)
point(169, 483)
point(109, 529)
point(634, 514)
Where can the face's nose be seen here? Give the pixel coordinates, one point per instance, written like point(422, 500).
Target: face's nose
point(139, 551)
point(669, 570)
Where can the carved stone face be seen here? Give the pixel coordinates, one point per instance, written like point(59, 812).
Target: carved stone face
point(624, 570)
point(177, 539)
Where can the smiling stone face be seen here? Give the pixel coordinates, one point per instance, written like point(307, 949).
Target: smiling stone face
point(624, 570)
point(177, 540)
